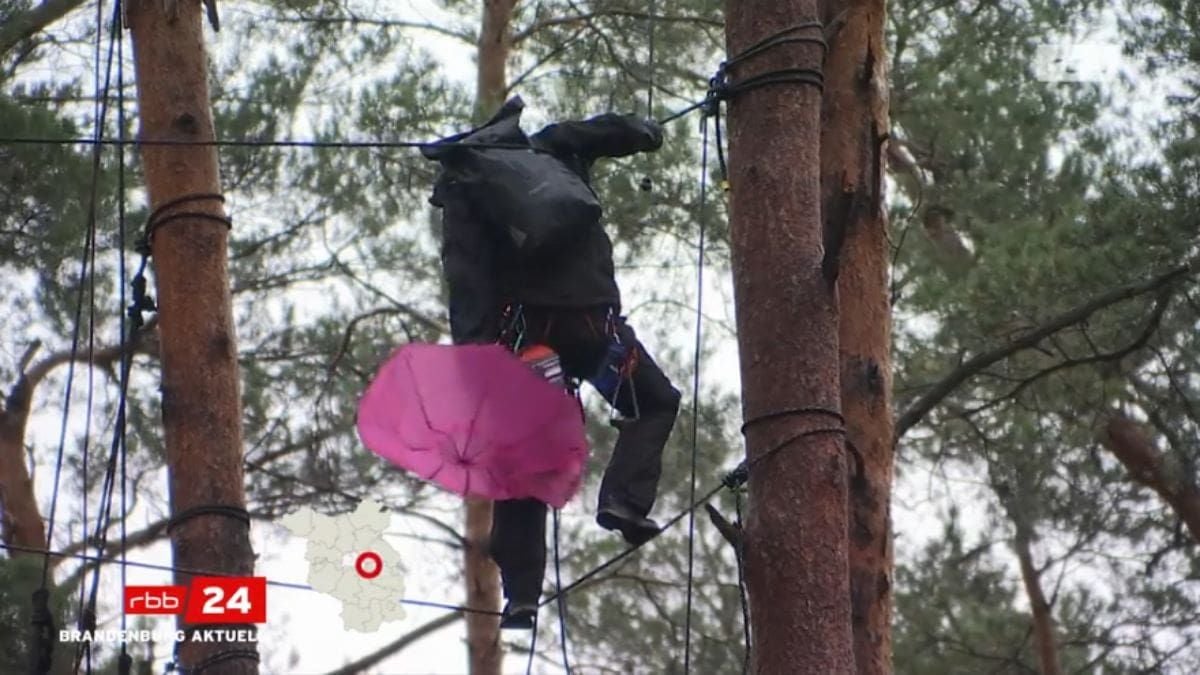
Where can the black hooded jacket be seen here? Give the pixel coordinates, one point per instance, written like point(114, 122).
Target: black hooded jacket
point(483, 271)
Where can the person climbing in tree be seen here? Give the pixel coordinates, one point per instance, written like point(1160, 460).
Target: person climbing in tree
point(527, 262)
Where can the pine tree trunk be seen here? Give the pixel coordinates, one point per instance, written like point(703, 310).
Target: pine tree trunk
point(21, 523)
point(1129, 443)
point(1043, 619)
point(201, 408)
point(482, 578)
point(483, 591)
point(796, 527)
point(854, 128)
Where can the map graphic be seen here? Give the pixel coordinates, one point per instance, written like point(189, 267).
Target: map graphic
point(348, 559)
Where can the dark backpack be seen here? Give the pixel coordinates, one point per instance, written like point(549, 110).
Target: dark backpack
point(533, 196)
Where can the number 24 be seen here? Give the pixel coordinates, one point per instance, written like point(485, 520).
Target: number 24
point(239, 600)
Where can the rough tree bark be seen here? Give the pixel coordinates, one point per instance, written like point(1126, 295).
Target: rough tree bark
point(201, 406)
point(480, 573)
point(796, 527)
point(854, 128)
point(483, 591)
point(1133, 448)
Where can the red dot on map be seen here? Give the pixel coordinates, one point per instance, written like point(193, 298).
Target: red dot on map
point(368, 564)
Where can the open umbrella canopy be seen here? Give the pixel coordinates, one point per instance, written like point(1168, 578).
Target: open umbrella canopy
point(477, 421)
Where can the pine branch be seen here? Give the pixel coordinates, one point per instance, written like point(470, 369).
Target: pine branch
point(978, 363)
point(1148, 331)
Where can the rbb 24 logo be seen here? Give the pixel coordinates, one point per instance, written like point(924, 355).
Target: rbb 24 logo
point(207, 600)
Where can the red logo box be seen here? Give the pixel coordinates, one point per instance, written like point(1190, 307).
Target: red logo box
point(208, 600)
point(227, 600)
point(155, 599)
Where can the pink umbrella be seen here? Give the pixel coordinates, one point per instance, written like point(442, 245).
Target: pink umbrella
point(477, 421)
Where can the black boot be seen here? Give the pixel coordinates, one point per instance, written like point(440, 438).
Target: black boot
point(518, 615)
point(518, 545)
point(636, 529)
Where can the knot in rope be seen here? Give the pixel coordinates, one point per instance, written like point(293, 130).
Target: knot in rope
point(718, 91)
point(738, 477)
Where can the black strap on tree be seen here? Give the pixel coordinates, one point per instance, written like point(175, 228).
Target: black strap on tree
point(142, 302)
point(806, 76)
point(723, 88)
point(736, 481)
point(234, 512)
point(157, 219)
point(793, 412)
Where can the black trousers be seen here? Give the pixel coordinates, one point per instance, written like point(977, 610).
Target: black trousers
point(647, 401)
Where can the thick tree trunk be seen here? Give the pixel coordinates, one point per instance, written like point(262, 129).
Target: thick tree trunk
point(796, 528)
point(482, 577)
point(202, 415)
point(483, 591)
point(20, 521)
point(1129, 443)
point(854, 127)
point(1043, 619)
point(495, 41)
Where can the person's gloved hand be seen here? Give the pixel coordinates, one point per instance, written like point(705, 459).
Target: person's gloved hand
point(656, 133)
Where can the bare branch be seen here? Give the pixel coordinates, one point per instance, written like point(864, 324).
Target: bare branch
point(138, 539)
point(351, 326)
point(732, 532)
point(135, 539)
point(552, 54)
point(408, 309)
point(976, 364)
point(587, 17)
point(22, 392)
point(30, 352)
point(1152, 324)
point(37, 19)
point(355, 21)
point(397, 645)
